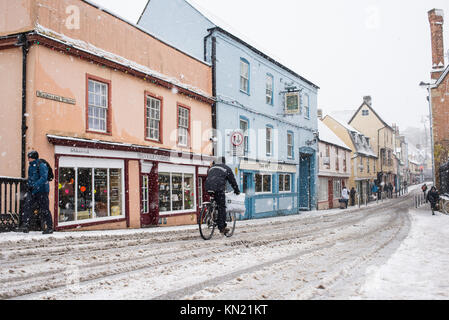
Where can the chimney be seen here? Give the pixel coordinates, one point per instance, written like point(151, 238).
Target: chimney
point(367, 100)
point(320, 114)
point(436, 19)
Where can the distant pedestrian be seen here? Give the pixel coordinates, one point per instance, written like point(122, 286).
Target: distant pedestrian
point(375, 190)
point(345, 196)
point(424, 190)
point(37, 195)
point(352, 194)
point(433, 197)
point(390, 190)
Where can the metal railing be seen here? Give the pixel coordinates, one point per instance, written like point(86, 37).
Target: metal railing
point(11, 202)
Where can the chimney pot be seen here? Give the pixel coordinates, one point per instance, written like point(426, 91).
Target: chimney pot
point(368, 100)
point(436, 19)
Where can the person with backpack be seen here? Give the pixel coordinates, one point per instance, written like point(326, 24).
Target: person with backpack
point(433, 197)
point(37, 195)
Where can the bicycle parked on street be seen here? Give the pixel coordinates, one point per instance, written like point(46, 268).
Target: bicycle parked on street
point(207, 220)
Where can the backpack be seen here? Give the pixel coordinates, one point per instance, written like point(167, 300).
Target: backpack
point(51, 175)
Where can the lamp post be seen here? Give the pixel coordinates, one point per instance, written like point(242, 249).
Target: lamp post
point(429, 86)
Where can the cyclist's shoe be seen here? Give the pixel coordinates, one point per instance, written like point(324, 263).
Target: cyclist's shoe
point(224, 231)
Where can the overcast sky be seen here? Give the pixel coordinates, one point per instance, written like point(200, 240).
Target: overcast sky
point(349, 48)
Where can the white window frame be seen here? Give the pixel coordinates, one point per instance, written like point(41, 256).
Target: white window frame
point(153, 108)
point(183, 126)
point(269, 141)
point(306, 105)
point(264, 191)
point(95, 109)
point(145, 190)
point(290, 147)
point(269, 89)
point(244, 76)
point(245, 135)
point(284, 184)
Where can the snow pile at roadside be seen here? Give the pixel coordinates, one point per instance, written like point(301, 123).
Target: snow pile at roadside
point(419, 268)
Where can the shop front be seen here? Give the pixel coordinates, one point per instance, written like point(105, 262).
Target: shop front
point(100, 185)
point(270, 188)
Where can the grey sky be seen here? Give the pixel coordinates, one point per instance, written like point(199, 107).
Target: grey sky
point(350, 48)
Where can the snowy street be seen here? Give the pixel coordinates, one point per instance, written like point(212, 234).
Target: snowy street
point(387, 250)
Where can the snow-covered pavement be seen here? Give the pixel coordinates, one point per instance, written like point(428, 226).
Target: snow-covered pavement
point(388, 250)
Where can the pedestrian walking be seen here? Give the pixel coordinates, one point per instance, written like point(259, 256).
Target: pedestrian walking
point(433, 197)
point(345, 196)
point(424, 190)
point(375, 190)
point(352, 194)
point(37, 195)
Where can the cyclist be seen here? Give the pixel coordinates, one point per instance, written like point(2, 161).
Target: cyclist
point(217, 176)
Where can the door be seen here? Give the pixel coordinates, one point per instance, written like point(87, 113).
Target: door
point(330, 196)
point(304, 182)
point(247, 188)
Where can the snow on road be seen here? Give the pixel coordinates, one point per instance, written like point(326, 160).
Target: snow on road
point(384, 251)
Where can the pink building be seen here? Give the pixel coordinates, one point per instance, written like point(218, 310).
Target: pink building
point(123, 118)
point(334, 170)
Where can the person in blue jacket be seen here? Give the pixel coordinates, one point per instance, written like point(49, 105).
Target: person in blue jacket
point(37, 195)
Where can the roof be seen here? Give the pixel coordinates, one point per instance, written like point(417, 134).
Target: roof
point(375, 113)
point(327, 135)
point(359, 140)
point(226, 29)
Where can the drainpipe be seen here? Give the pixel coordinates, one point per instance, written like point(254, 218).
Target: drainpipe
point(23, 42)
point(214, 85)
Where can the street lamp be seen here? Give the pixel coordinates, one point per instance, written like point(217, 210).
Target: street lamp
point(429, 86)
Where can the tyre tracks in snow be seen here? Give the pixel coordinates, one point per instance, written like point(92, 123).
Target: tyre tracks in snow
point(174, 250)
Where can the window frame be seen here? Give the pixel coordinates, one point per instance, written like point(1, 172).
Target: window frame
point(189, 120)
point(291, 147)
point(248, 79)
point(306, 106)
point(269, 127)
point(263, 189)
point(108, 120)
point(269, 80)
point(283, 187)
point(161, 117)
point(245, 135)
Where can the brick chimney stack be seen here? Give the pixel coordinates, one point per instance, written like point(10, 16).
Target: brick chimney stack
point(436, 19)
point(368, 100)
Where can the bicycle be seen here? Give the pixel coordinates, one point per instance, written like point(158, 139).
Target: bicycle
point(207, 220)
point(444, 203)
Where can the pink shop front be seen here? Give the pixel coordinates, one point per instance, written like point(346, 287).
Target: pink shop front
point(102, 185)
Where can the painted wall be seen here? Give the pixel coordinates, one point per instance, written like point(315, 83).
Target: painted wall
point(10, 112)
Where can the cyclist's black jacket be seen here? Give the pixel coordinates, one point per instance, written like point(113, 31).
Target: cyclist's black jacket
point(217, 177)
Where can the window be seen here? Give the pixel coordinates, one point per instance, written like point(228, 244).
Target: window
point(367, 165)
point(88, 191)
point(153, 119)
point(285, 183)
point(306, 106)
point(145, 184)
point(98, 105)
point(183, 126)
point(365, 113)
point(176, 192)
point(327, 161)
point(337, 189)
point(337, 160)
point(290, 144)
point(323, 189)
point(244, 76)
point(269, 89)
point(263, 183)
point(345, 168)
point(244, 128)
point(269, 141)
point(361, 164)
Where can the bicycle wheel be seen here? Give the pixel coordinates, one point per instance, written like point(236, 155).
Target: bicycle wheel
point(230, 220)
point(206, 222)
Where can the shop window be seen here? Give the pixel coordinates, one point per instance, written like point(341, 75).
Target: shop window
point(176, 192)
point(89, 193)
point(285, 183)
point(98, 106)
point(145, 189)
point(263, 183)
point(323, 189)
point(337, 189)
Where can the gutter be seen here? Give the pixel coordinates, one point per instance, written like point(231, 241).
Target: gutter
point(23, 42)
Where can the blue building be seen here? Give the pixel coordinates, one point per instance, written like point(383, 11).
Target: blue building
point(265, 115)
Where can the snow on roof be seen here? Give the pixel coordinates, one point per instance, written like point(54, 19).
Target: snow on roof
point(343, 123)
point(327, 135)
point(90, 48)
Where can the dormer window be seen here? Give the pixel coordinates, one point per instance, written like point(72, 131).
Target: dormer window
point(365, 112)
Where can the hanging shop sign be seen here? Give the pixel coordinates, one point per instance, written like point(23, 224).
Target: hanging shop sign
point(292, 102)
point(54, 97)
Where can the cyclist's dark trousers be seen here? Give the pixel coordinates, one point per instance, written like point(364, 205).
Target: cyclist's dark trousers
point(220, 198)
point(34, 201)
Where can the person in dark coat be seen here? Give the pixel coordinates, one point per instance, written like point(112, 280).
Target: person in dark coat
point(217, 176)
point(424, 190)
point(352, 196)
point(433, 197)
point(37, 195)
